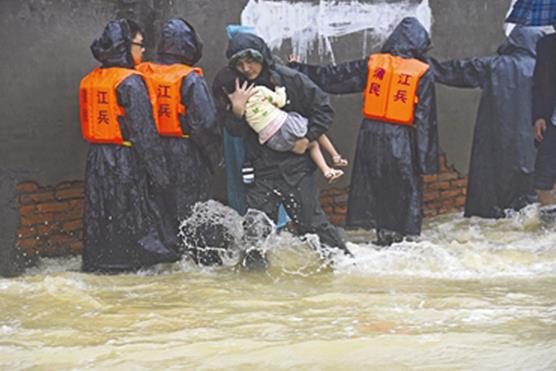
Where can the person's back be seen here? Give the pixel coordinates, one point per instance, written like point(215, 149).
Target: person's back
point(189, 133)
point(503, 153)
point(393, 148)
point(120, 228)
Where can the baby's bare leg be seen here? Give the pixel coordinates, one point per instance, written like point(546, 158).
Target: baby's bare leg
point(326, 144)
point(316, 155)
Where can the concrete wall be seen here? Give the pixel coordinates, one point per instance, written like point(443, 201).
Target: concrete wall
point(45, 46)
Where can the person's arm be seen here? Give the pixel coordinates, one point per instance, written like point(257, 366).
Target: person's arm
point(319, 111)
point(140, 128)
point(462, 73)
point(201, 117)
point(343, 78)
point(543, 91)
point(426, 125)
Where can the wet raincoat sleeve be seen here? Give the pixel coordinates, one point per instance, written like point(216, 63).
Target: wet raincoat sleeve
point(427, 126)
point(141, 130)
point(462, 73)
point(344, 78)
point(201, 118)
point(320, 114)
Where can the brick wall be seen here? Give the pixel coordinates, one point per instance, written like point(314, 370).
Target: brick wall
point(51, 217)
point(442, 193)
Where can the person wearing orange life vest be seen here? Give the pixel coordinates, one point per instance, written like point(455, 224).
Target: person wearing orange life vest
point(398, 138)
point(121, 228)
point(190, 136)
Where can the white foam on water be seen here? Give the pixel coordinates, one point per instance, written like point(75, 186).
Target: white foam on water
point(314, 25)
point(450, 247)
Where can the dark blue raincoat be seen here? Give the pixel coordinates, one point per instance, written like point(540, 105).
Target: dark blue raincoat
point(386, 190)
point(190, 161)
point(122, 230)
point(503, 152)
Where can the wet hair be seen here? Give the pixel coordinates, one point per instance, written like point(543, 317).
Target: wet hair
point(134, 28)
point(250, 54)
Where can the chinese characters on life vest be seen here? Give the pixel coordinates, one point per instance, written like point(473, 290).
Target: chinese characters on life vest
point(102, 99)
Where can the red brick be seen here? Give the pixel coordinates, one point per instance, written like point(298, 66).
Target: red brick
point(460, 201)
point(71, 184)
point(326, 200)
point(447, 176)
point(29, 244)
point(26, 209)
point(70, 193)
point(72, 225)
point(41, 196)
point(341, 199)
point(27, 187)
point(49, 228)
point(459, 183)
point(52, 207)
point(431, 196)
point(430, 178)
point(448, 203)
point(337, 219)
point(36, 219)
point(341, 210)
point(430, 213)
point(439, 186)
point(58, 239)
point(76, 248)
point(327, 209)
point(450, 193)
point(77, 204)
point(26, 232)
point(70, 214)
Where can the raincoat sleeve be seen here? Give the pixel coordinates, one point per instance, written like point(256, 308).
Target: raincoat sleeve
point(426, 124)
point(344, 78)
point(544, 77)
point(201, 118)
point(320, 113)
point(140, 128)
point(462, 73)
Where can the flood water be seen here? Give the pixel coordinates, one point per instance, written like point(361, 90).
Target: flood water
point(470, 294)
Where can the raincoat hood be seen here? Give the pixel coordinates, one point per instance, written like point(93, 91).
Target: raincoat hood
point(113, 48)
point(180, 43)
point(521, 39)
point(244, 41)
point(409, 39)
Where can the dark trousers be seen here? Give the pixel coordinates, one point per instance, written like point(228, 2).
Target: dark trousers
point(301, 202)
point(545, 164)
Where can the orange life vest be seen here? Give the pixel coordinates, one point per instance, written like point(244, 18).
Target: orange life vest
point(391, 92)
point(99, 108)
point(166, 81)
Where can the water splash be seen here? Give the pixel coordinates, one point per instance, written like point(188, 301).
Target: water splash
point(450, 247)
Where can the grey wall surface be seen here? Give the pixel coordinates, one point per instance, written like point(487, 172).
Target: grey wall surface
point(45, 53)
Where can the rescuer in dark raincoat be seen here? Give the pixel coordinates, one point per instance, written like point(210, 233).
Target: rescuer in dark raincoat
point(386, 191)
point(503, 152)
point(282, 176)
point(191, 160)
point(121, 228)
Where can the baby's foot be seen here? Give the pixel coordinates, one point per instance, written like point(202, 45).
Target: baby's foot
point(333, 174)
point(339, 161)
